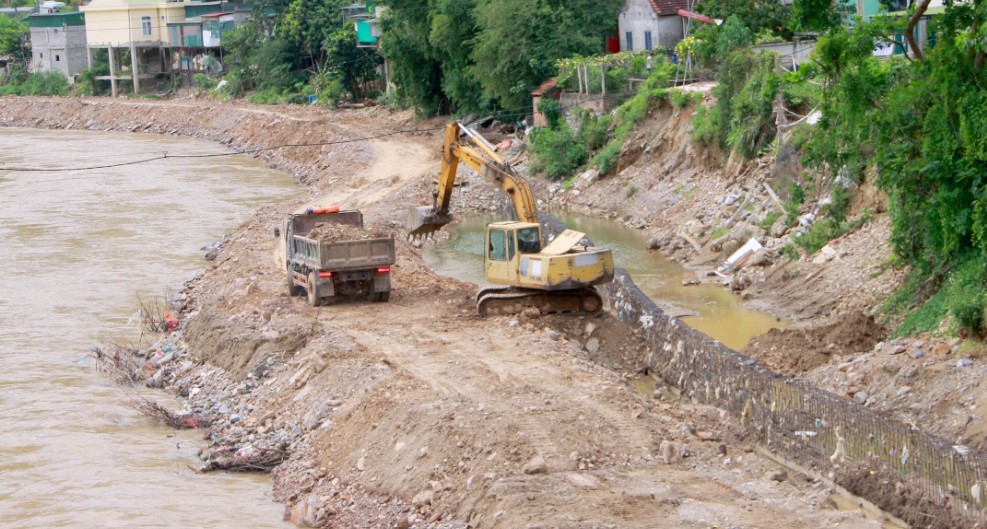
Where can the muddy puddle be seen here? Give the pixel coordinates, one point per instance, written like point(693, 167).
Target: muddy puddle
point(709, 308)
point(76, 249)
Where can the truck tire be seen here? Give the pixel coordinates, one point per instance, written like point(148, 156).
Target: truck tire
point(293, 289)
point(382, 296)
point(313, 291)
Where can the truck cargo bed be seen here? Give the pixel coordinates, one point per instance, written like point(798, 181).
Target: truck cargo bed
point(345, 255)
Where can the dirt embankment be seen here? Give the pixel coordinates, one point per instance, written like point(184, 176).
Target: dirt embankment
point(415, 412)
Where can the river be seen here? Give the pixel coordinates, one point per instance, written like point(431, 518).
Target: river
point(76, 248)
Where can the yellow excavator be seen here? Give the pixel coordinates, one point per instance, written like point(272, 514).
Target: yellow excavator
point(557, 277)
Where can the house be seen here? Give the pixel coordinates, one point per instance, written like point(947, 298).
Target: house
point(144, 28)
point(645, 25)
point(58, 43)
point(197, 39)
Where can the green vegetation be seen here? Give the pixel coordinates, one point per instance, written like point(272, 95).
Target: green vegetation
point(468, 56)
point(559, 149)
point(42, 84)
point(747, 86)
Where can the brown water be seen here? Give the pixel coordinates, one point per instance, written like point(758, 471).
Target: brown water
point(713, 309)
point(75, 248)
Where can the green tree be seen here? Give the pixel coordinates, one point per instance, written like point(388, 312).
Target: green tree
point(924, 124)
point(415, 71)
point(757, 15)
point(306, 24)
point(14, 40)
point(817, 15)
point(355, 66)
point(452, 28)
point(519, 42)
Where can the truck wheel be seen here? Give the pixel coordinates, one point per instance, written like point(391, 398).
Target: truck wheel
point(313, 294)
point(293, 290)
point(382, 296)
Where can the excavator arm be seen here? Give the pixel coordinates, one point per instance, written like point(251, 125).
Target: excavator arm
point(478, 154)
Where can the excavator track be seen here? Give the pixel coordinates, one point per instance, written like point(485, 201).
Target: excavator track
point(510, 300)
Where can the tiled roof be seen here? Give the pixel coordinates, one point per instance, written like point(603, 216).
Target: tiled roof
point(545, 87)
point(669, 7)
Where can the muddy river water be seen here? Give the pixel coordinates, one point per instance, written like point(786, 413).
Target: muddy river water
point(75, 249)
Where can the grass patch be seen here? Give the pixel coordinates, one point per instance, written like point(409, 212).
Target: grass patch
point(718, 232)
point(926, 318)
point(769, 220)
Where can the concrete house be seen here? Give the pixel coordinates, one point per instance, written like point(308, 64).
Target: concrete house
point(644, 25)
point(141, 26)
point(58, 43)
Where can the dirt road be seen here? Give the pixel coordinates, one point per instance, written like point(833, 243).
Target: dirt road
point(417, 413)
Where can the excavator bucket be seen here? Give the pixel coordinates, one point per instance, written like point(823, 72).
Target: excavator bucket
point(425, 220)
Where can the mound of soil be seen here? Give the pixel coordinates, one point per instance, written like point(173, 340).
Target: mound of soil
point(331, 232)
point(796, 351)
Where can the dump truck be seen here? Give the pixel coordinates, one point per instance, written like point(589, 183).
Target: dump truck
point(329, 255)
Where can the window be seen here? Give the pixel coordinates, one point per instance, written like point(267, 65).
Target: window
point(510, 246)
point(528, 240)
point(647, 41)
point(146, 26)
point(498, 243)
point(58, 58)
point(630, 41)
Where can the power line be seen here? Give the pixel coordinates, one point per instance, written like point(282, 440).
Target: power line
point(165, 155)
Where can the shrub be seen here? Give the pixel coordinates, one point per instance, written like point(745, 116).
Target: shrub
point(203, 82)
point(51, 83)
point(269, 96)
point(606, 158)
point(967, 296)
point(706, 126)
point(555, 152)
point(594, 130)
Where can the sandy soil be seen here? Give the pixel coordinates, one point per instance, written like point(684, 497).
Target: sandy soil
point(417, 412)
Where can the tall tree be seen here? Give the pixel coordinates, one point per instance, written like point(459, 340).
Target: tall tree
point(416, 73)
point(14, 39)
point(355, 66)
point(758, 15)
point(519, 42)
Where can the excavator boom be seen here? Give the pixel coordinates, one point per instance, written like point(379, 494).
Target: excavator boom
point(478, 154)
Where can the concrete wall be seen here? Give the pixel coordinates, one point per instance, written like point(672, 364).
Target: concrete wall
point(593, 102)
point(59, 49)
point(670, 31)
point(638, 17)
point(799, 51)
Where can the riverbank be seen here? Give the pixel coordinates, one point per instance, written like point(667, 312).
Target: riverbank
point(416, 412)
